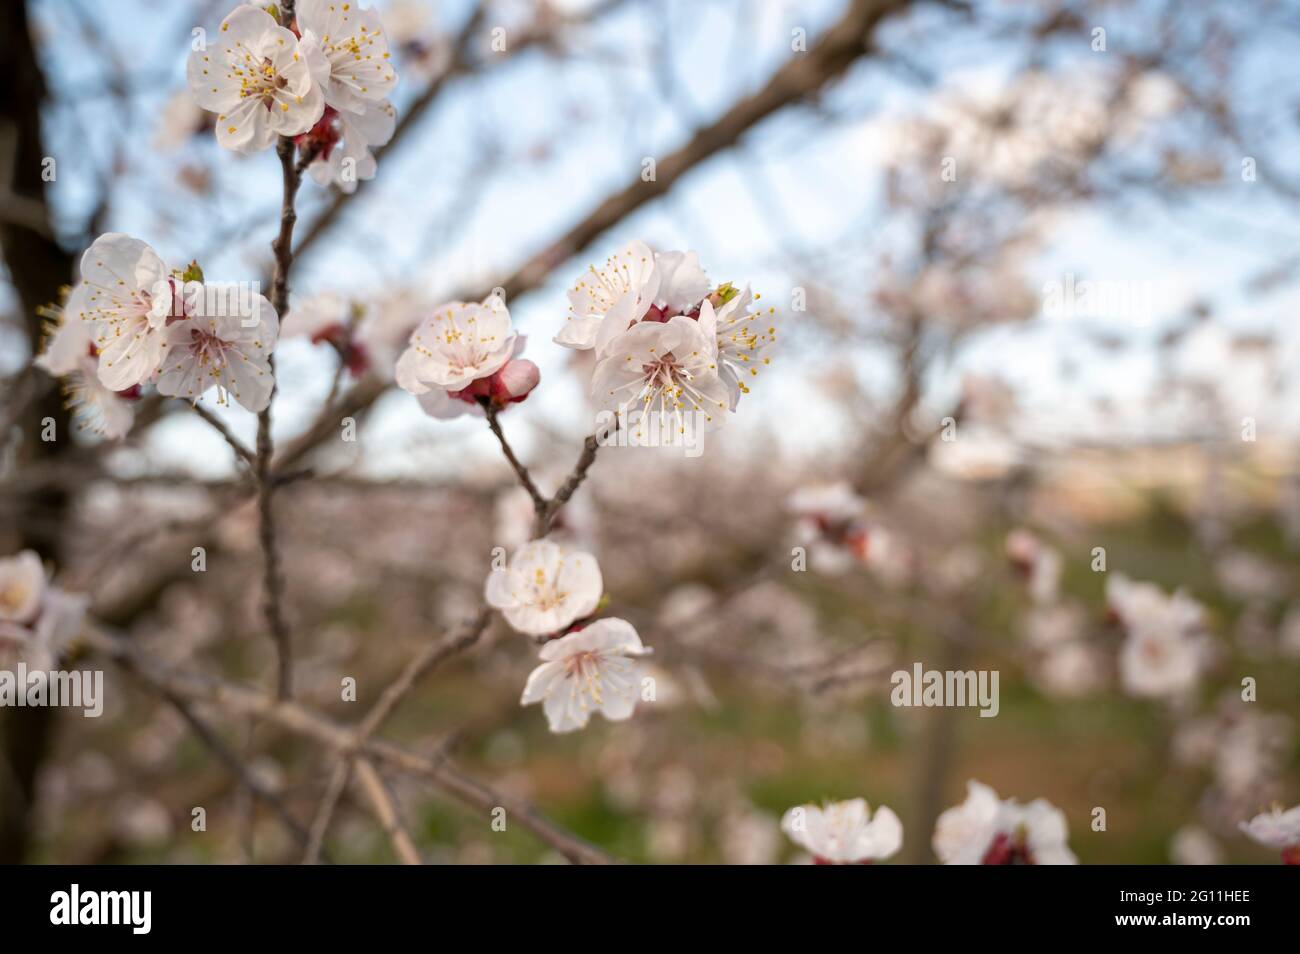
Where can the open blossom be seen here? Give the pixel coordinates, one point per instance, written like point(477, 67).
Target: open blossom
point(128, 297)
point(348, 53)
point(229, 352)
point(1277, 829)
point(456, 345)
point(463, 355)
point(545, 588)
point(743, 338)
point(341, 143)
point(987, 830)
point(844, 832)
point(37, 619)
point(1162, 653)
point(664, 369)
point(255, 76)
point(70, 354)
point(607, 301)
point(594, 669)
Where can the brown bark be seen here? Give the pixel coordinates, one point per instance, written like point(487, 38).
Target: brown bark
point(37, 268)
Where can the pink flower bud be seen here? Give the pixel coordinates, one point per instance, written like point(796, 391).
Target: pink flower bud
point(515, 379)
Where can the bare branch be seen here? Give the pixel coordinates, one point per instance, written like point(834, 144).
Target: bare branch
point(273, 584)
point(386, 812)
point(238, 700)
point(540, 503)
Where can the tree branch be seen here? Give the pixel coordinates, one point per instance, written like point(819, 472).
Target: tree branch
point(386, 812)
point(238, 700)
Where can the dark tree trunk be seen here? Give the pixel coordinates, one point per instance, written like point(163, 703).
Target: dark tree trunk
point(37, 268)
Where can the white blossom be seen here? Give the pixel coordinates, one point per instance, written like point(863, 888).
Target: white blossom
point(988, 830)
point(831, 522)
point(348, 53)
point(545, 588)
point(38, 620)
point(181, 119)
point(458, 344)
point(231, 352)
point(682, 283)
point(255, 76)
point(665, 370)
point(844, 832)
point(348, 160)
point(1162, 652)
point(1277, 828)
point(606, 302)
point(594, 669)
point(22, 587)
point(128, 296)
point(70, 354)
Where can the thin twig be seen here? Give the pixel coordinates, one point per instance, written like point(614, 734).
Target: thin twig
point(539, 502)
point(432, 656)
point(329, 803)
point(570, 485)
point(386, 812)
point(545, 509)
point(273, 583)
point(217, 424)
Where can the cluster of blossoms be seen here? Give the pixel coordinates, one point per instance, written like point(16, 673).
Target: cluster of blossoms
point(131, 322)
point(550, 592)
point(38, 621)
point(666, 341)
point(983, 830)
point(323, 80)
point(1165, 644)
